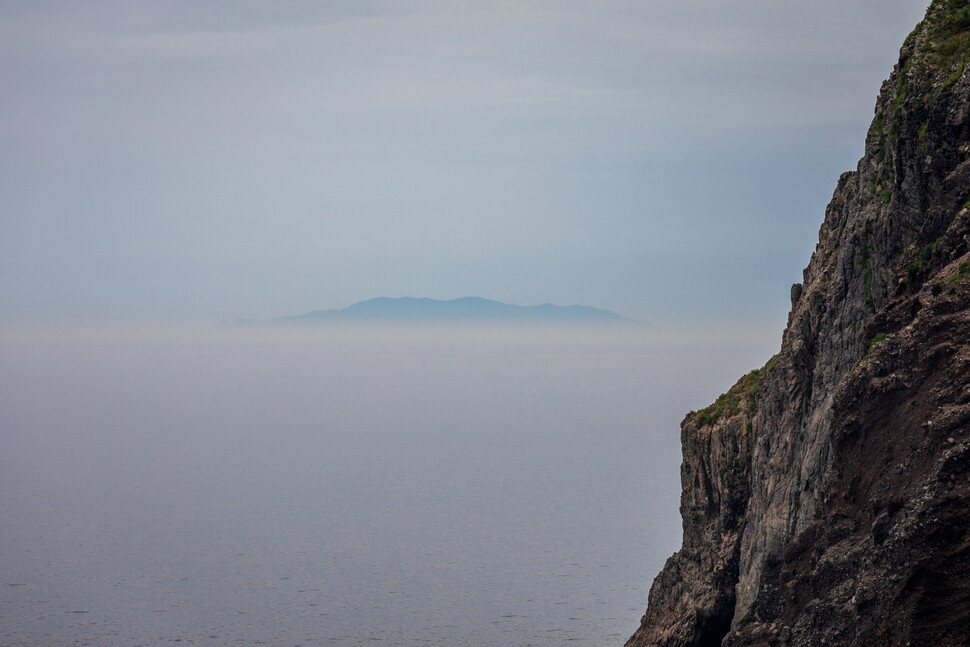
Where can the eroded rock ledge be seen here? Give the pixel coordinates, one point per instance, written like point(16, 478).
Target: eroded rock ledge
point(826, 497)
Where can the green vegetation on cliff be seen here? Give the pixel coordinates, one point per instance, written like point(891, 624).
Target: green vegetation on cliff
point(729, 404)
point(950, 36)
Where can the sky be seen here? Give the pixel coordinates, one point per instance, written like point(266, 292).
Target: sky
point(670, 161)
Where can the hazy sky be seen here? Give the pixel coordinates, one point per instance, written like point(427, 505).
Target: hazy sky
point(667, 160)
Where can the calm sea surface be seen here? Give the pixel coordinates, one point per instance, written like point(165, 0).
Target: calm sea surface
point(395, 487)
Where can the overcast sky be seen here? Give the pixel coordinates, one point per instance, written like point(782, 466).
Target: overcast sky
point(666, 160)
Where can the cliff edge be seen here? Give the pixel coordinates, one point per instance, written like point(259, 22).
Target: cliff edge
point(826, 496)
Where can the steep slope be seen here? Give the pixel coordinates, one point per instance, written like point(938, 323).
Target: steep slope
point(825, 499)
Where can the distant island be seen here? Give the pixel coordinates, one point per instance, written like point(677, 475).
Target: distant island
point(468, 310)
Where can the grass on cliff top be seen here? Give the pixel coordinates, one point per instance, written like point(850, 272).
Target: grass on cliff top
point(950, 35)
point(729, 404)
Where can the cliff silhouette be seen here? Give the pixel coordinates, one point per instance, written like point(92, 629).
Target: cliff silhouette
point(826, 496)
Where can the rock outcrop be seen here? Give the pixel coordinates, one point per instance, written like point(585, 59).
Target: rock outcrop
point(826, 497)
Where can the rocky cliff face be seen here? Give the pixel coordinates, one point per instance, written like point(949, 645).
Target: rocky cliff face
point(826, 497)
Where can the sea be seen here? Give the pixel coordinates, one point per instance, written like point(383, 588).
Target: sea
point(210, 484)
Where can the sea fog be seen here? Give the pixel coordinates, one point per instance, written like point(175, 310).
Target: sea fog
point(302, 486)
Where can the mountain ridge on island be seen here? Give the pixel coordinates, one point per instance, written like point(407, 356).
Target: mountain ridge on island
point(464, 310)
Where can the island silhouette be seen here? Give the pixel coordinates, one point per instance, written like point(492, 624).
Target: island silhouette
point(463, 310)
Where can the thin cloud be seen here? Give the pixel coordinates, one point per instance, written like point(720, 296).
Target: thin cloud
point(197, 45)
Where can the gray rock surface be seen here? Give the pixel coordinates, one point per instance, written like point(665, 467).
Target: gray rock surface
point(825, 501)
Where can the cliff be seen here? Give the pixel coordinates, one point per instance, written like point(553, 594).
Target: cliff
point(826, 496)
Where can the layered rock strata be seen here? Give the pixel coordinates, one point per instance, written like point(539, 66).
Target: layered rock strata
point(825, 496)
